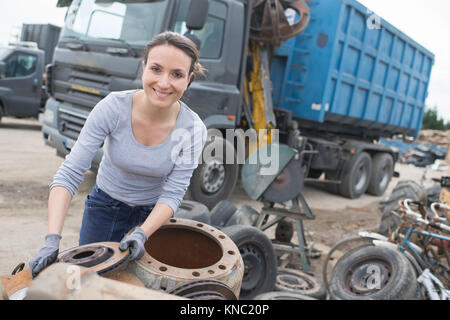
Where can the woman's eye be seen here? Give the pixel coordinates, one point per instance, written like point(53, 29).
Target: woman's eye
point(177, 75)
point(155, 69)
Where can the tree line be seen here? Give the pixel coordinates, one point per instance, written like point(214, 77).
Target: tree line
point(433, 121)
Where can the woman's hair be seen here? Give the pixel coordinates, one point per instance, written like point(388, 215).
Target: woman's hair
point(181, 42)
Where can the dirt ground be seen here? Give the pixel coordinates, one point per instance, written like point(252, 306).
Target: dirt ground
point(27, 167)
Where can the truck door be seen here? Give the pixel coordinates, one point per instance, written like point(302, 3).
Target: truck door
point(221, 45)
point(22, 83)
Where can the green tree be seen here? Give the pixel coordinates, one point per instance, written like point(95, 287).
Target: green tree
point(431, 120)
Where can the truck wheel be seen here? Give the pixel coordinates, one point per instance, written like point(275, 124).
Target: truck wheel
point(214, 180)
point(373, 273)
point(355, 182)
point(193, 210)
point(295, 281)
point(221, 213)
point(382, 169)
point(260, 261)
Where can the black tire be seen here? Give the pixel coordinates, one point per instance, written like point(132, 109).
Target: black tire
point(221, 213)
point(351, 275)
point(260, 260)
point(282, 295)
point(244, 215)
point(213, 180)
point(382, 170)
point(405, 189)
point(357, 177)
point(284, 231)
point(194, 211)
point(295, 281)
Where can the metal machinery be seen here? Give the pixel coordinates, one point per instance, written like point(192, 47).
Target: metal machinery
point(279, 181)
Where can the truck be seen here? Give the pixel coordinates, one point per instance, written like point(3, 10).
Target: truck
point(22, 70)
point(44, 35)
point(21, 80)
point(331, 90)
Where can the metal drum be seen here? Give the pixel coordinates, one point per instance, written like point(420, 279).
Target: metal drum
point(182, 251)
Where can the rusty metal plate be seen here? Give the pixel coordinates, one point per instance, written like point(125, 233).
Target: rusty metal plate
point(101, 257)
point(16, 282)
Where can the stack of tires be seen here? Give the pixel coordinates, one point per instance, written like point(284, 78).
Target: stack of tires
point(263, 280)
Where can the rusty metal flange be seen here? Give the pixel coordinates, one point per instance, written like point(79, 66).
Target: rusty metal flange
point(270, 25)
point(182, 251)
point(101, 257)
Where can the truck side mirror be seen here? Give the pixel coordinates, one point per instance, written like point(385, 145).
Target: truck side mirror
point(198, 10)
point(2, 69)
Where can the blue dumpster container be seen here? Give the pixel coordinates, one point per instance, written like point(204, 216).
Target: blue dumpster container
point(352, 72)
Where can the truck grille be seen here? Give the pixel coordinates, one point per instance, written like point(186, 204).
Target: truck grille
point(70, 123)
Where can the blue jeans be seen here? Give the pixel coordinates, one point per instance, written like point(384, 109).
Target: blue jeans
point(108, 219)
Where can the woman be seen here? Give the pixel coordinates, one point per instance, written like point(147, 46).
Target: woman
point(152, 143)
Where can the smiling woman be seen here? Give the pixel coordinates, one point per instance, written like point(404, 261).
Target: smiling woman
point(140, 181)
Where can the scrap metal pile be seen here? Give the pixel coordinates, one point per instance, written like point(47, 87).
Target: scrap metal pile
point(407, 260)
point(428, 150)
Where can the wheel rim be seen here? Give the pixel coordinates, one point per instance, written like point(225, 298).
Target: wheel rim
point(385, 177)
point(367, 277)
point(294, 282)
point(213, 176)
point(361, 177)
point(254, 267)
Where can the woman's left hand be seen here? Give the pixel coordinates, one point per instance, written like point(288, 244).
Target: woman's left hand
point(135, 243)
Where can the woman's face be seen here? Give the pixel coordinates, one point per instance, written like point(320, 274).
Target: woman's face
point(166, 76)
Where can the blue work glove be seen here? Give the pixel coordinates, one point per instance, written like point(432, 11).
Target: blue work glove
point(47, 255)
point(135, 242)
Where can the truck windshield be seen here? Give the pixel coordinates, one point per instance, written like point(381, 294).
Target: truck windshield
point(99, 20)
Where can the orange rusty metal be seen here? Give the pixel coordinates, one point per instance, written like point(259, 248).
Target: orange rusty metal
point(269, 22)
point(101, 257)
point(184, 250)
point(16, 282)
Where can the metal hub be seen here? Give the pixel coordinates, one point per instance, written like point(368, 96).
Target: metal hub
point(293, 282)
point(102, 257)
point(213, 176)
point(361, 177)
point(188, 250)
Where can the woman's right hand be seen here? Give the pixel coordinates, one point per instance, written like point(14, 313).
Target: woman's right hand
point(47, 255)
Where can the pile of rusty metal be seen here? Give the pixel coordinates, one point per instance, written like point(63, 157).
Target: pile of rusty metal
point(407, 260)
point(199, 262)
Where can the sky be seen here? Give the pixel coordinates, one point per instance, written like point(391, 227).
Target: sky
point(426, 22)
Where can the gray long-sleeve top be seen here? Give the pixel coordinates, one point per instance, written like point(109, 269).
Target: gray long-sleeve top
point(129, 171)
